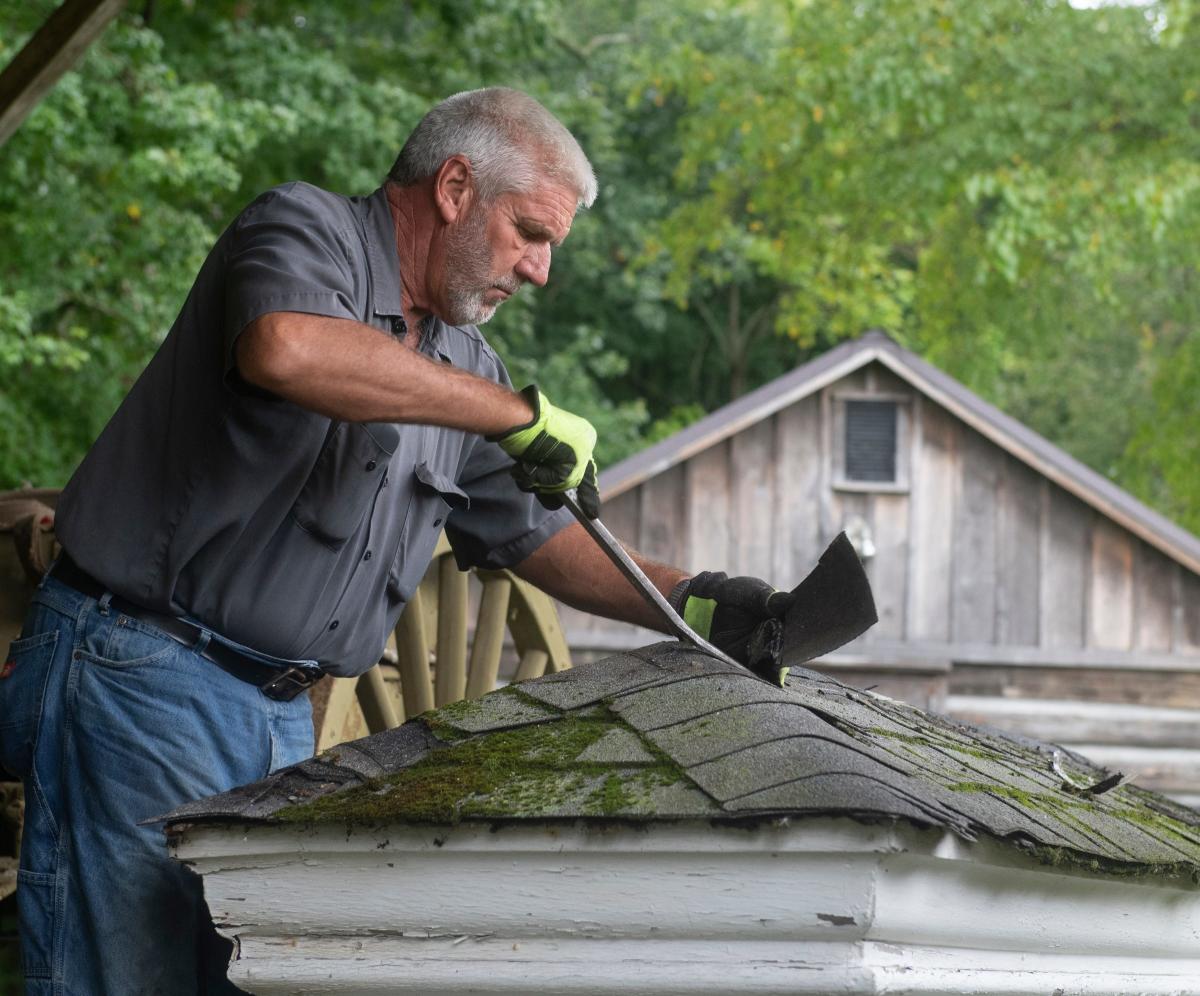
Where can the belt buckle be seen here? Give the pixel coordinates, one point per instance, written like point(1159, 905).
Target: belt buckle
point(286, 685)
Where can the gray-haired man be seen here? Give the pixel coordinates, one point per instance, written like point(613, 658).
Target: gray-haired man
point(264, 503)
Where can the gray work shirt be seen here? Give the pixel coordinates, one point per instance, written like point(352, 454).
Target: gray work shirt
point(293, 534)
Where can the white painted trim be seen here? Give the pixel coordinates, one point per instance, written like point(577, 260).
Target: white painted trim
point(491, 964)
point(802, 906)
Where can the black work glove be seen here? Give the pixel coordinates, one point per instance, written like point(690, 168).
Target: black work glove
point(741, 616)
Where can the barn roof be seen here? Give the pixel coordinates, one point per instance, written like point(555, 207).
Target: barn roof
point(1003, 430)
point(669, 733)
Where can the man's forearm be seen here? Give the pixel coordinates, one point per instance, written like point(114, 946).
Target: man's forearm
point(571, 567)
point(355, 373)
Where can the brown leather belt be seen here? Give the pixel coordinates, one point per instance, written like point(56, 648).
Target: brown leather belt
point(282, 684)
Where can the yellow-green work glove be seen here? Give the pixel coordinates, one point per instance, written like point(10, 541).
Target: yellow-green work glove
point(553, 454)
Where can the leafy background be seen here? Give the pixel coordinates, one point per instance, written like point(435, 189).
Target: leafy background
point(1010, 188)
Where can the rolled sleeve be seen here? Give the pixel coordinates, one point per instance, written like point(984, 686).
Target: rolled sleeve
point(288, 252)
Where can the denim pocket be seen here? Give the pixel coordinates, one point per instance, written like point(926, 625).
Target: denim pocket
point(35, 913)
point(131, 644)
point(345, 480)
point(21, 687)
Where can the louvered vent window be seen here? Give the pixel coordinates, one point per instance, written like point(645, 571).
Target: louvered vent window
point(871, 440)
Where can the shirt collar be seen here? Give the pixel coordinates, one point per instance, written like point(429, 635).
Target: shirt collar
point(382, 256)
point(384, 260)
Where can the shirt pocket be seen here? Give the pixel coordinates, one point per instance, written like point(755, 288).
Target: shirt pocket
point(345, 480)
point(435, 496)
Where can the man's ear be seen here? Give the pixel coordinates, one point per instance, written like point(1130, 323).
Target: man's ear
point(454, 189)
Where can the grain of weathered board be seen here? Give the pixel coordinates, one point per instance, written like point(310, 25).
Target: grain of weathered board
point(1018, 553)
point(1153, 592)
point(1066, 526)
point(798, 482)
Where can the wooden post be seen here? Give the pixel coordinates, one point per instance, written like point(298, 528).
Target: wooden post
point(53, 49)
point(374, 702)
point(412, 648)
point(489, 636)
point(450, 675)
point(337, 716)
point(533, 665)
point(535, 625)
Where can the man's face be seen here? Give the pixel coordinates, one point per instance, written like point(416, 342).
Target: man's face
point(497, 247)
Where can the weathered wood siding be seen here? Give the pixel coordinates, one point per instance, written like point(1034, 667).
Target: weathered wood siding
point(976, 551)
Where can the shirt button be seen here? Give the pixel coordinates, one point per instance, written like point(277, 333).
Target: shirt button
point(399, 325)
point(367, 555)
point(385, 480)
point(334, 624)
point(371, 465)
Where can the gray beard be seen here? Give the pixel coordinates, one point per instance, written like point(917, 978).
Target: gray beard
point(469, 276)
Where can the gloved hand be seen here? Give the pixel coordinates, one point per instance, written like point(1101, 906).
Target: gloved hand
point(553, 454)
point(741, 616)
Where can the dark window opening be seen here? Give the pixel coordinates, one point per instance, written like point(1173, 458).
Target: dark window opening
point(871, 441)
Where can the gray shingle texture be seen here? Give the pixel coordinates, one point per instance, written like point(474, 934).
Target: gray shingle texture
point(667, 733)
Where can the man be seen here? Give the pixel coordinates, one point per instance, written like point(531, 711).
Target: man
point(266, 500)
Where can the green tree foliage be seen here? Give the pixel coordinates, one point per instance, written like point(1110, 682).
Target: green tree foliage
point(115, 187)
point(1011, 188)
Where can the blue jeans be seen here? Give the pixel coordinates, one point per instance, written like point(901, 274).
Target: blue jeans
point(108, 721)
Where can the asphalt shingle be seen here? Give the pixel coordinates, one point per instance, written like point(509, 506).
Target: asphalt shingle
point(667, 732)
point(501, 711)
point(617, 746)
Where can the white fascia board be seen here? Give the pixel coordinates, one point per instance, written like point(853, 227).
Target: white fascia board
point(491, 964)
point(497, 965)
point(807, 906)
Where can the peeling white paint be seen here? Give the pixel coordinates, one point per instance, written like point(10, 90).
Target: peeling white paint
point(815, 906)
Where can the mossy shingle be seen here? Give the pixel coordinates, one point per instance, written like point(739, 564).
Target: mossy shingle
point(667, 732)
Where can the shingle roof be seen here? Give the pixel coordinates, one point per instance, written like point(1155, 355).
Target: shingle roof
point(668, 733)
point(1003, 430)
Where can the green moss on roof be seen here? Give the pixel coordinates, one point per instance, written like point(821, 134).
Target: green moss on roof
point(668, 733)
point(532, 770)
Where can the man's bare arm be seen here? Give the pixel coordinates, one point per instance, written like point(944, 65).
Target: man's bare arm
point(355, 373)
point(572, 568)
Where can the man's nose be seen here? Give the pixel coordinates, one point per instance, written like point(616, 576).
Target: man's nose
point(534, 266)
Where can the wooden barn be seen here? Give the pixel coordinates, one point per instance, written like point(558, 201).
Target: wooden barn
point(1016, 587)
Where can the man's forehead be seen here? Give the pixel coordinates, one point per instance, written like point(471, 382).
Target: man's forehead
point(547, 211)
